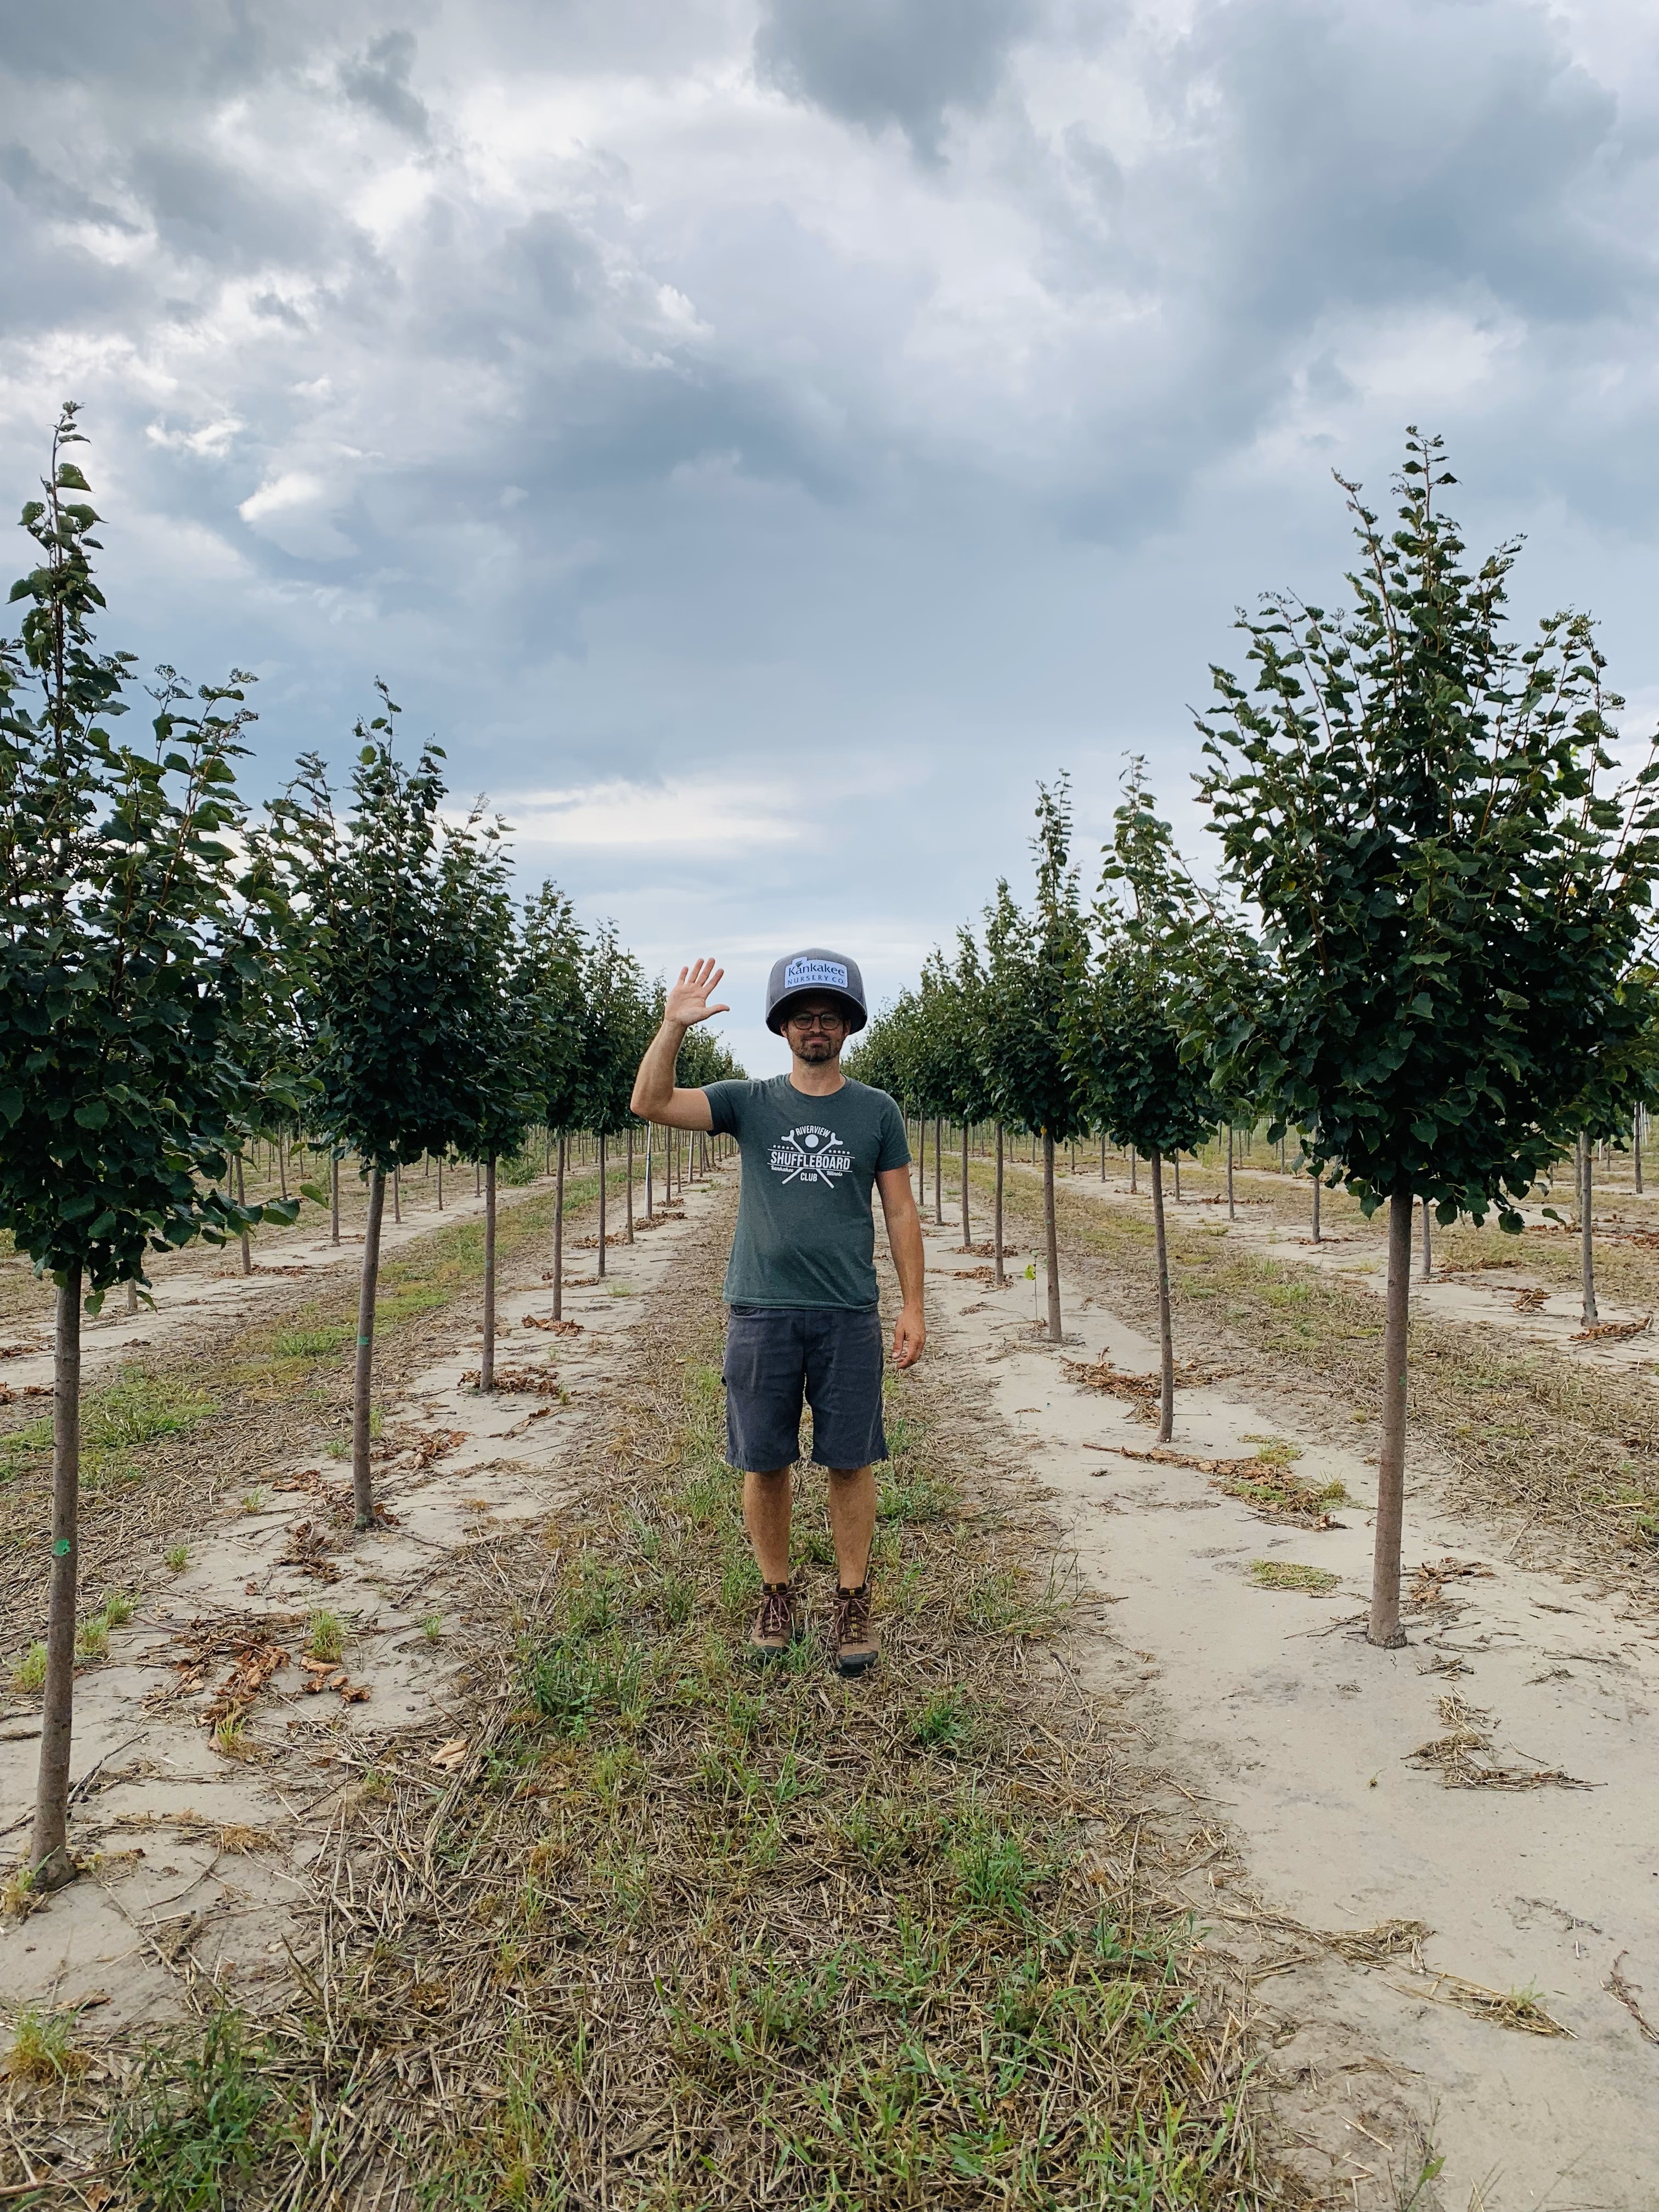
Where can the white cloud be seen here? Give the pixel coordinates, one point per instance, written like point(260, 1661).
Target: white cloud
point(696, 820)
point(294, 510)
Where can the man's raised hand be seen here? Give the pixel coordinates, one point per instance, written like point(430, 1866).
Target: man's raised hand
point(688, 999)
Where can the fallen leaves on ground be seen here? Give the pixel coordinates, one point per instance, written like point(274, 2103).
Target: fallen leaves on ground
point(1264, 1480)
point(1610, 1331)
point(523, 1382)
point(554, 1327)
point(1465, 1757)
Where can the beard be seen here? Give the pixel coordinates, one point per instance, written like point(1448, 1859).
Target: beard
point(817, 1048)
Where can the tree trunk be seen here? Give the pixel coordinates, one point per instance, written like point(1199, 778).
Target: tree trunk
point(1317, 1187)
point(49, 1858)
point(487, 1363)
point(1428, 1243)
point(1636, 1149)
point(558, 1235)
point(132, 1297)
point(650, 1147)
point(602, 1199)
point(630, 1184)
point(1132, 1171)
point(397, 1194)
point(1232, 1210)
point(996, 1233)
point(967, 1233)
point(1586, 1232)
point(281, 1165)
point(1049, 1233)
point(242, 1199)
point(1175, 1160)
point(1385, 1629)
point(938, 1182)
point(921, 1163)
point(478, 1178)
point(1102, 1156)
point(334, 1198)
point(441, 1182)
point(362, 1483)
point(1166, 1331)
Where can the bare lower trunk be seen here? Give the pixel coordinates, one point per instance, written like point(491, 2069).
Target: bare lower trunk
point(1636, 1150)
point(1586, 1231)
point(363, 1484)
point(1385, 1627)
point(441, 1182)
point(1174, 1161)
point(630, 1182)
point(602, 1216)
point(938, 1179)
point(1052, 1239)
point(486, 1362)
point(558, 1236)
point(1102, 1156)
point(334, 1198)
point(49, 1858)
point(967, 1233)
point(132, 1297)
point(1166, 1329)
point(1132, 1171)
point(1428, 1243)
point(1232, 1210)
point(921, 1161)
point(281, 1165)
point(996, 1233)
point(650, 1147)
point(1317, 1187)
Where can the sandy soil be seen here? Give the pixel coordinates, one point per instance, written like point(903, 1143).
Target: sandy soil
point(195, 1856)
point(1270, 1709)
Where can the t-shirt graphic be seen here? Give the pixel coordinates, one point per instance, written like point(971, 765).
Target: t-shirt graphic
point(810, 1155)
point(806, 1234)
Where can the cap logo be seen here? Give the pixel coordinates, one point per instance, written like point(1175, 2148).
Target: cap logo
point(815, 975)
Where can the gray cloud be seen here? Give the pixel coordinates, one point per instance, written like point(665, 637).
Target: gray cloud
point(379, 79)
point(656, 434)
point(879, 63)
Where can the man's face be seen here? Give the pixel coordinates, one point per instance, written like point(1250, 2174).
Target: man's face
point(816, 1030)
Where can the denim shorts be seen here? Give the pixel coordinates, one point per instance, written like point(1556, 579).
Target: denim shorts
point(778, 1357)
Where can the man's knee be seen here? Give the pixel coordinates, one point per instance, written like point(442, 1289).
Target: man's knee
point(768, 1474)
point(848, 1473)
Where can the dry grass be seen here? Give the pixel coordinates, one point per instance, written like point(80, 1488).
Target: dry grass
point(655, 1930)
point(1292, 1575)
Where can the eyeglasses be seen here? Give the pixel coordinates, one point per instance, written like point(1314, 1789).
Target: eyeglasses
point(817, 1022)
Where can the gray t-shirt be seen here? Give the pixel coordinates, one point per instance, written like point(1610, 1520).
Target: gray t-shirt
point(806, 1234)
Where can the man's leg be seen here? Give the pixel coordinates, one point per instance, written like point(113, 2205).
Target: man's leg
point(852, 1522)
point(766, 1516)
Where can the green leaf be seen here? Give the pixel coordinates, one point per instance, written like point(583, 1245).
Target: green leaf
point(316, 1194)
point(94, 1114)
point(69, 478)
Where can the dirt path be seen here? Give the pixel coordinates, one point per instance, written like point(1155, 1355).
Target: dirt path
point(1268, 1705)
point(198, 1836)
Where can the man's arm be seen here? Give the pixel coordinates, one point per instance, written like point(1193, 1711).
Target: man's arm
point(656, 1098)
point(898, 1206)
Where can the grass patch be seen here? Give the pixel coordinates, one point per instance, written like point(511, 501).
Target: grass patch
point(686, 1934)
point(43, 2048)
point(137, 1409)
point(198, 2119)
point(1290, 1575)
point(28, 1674)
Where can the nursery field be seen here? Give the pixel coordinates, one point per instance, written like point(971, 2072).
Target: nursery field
point(462, 1862)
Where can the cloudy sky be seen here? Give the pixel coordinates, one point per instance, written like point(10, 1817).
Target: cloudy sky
point(759, 438)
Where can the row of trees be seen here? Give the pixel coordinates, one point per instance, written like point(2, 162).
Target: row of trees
point(179, 979)
point(1428, 954)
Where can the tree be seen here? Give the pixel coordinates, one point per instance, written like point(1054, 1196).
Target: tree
point(1030, 960)
point(1123, 1039)
point(394, 985)
point(953, 995)
point(1454, 879)
point(547, 982)
point(503, 1039)
point(122, 1094)
point(616, 1030)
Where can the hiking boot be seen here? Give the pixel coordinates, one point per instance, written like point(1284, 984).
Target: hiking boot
point(856, 1646)
point(774, 1630)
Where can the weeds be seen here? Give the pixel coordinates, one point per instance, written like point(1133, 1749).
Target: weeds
point(326, 1637)
point(178, 1557)
point(1290, 1575)
point(43, 2048)
point(199, 2117)
point(28, 1674)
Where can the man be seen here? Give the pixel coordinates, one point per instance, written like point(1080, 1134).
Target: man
point(801, 1284)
